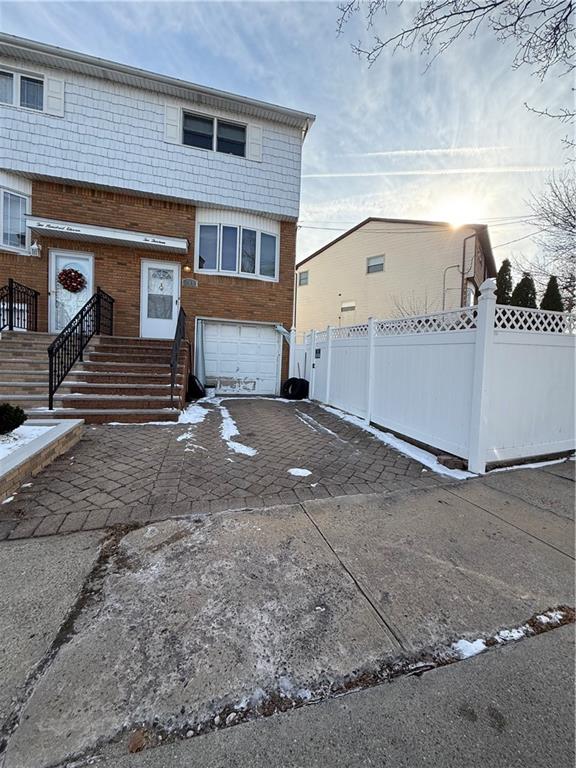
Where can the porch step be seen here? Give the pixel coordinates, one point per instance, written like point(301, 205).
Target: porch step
point(104, 416)
point(88, 387)
point(103, 377)
point(33, 375)
point(134, 341)
point(28, 336)
point(150, 358)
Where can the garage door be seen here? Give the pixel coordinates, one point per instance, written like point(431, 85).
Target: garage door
point(242, 358)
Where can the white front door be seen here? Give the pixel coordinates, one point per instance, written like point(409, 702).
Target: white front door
point(159, 299)
point(242, 358)
point(65, 303)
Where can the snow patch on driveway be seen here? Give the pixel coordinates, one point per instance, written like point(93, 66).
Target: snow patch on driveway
point(299, 472)
point(193, 414)
point(228, 430)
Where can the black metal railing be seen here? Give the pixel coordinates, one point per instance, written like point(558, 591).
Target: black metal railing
point(18, 307)
point(95, 317)
point(179, 336)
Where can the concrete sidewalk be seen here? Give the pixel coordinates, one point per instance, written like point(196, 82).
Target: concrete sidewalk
point(174, 626)
point(511, 707)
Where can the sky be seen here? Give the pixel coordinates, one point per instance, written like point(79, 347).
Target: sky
point(453, 141)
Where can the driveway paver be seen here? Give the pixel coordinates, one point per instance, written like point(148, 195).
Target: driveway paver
point(137, 473)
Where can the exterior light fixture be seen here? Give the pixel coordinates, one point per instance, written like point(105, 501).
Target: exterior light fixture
point(35, 249)
point(187, 268)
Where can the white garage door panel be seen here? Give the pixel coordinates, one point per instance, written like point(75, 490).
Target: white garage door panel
point(242, 358)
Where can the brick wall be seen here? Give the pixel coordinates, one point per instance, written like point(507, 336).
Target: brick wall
point(117, 268)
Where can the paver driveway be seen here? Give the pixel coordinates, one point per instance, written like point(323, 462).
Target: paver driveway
point(151, 472)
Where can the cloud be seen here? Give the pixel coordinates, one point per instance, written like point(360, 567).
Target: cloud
point(440, 151)
point(437, 171)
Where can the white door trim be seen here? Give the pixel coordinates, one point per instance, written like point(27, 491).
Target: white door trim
point(143, 298)
point(52, 253)
point(244, 322)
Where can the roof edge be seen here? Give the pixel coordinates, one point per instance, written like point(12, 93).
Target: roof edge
point(12, 44)
point(481, 230)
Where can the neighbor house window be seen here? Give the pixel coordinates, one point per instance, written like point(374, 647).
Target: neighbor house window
point(348, 306)
point(13, 214)
point(470, 294)
point(303, 278)
point(21, 90)
point(214, 134)
point(375, 264)
point(242, 251)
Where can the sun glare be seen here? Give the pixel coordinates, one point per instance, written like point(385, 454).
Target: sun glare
point(459, 210)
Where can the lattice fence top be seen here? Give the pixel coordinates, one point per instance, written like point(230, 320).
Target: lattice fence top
point(537, 320)
point(456, 320)
point(351, 332)
point(321, 336)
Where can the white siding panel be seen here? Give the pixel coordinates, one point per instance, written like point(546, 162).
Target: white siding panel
point(115, 135)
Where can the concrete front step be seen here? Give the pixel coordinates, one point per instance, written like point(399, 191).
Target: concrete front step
point(17, 353)
point(104, 416)
point(89, 401)
point(134, 341)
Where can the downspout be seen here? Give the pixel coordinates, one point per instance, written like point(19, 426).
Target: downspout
point(464, 270)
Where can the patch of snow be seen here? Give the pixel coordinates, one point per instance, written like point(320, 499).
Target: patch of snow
point(465, 649)
point(550, 617)
point(299, 472)
point(193, 414)
point(26, 485)
point(8, 500)
point(228, 430)
point(418, 454)
point(19, 437)
point(509, 635)
point(535, 465)
point(317, 427)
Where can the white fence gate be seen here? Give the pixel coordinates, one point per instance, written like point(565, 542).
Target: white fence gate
point(487, 383)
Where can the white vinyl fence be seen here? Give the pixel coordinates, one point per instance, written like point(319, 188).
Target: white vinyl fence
point(488, 383)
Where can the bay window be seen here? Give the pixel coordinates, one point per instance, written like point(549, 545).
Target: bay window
point(236, 250)
point(13, 216)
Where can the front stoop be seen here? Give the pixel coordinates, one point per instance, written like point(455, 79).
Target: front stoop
point(124, 380)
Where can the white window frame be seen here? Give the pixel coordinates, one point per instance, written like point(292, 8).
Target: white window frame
point(215, 121)
point(373, 259)
point(13, 248)
point(17, 75)
point(300, 275)
point(348, 306)
point(238, 272)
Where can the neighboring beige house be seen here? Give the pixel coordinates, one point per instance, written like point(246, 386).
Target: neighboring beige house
point(390, 268)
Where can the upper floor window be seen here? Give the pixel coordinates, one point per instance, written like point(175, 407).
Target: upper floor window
point(375, 264)
point(243, 251)
point(13, 215)
point(303, 278)
point(215, 134)
point(21, 90)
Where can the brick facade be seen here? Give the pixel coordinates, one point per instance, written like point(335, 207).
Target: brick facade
point(117, 267)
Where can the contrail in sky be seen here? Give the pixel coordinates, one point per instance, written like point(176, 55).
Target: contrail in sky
point(421, 152)
point(436, 172)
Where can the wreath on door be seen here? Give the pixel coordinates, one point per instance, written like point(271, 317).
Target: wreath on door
point(72, 280)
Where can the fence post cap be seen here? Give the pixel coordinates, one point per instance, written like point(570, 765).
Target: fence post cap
point(488, 287)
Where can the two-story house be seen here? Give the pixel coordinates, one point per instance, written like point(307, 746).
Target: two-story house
point(390, 268)
point(162, 193)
